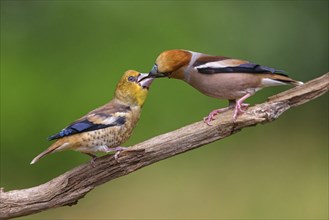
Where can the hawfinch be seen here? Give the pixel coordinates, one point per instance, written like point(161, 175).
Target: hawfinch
point(107, 127)
point(219, 77)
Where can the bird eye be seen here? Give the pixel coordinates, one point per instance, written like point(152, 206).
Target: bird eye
point(131, 79)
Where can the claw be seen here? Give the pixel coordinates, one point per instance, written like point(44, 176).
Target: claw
point(238, 105)
point(212, 115)
point(92, 161)
point(117, 151)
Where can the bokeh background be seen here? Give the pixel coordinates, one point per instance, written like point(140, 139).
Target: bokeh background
point(61, 59)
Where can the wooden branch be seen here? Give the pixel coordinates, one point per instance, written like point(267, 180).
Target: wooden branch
point(73, 185)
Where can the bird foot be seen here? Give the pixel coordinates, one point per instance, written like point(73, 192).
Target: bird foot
point(92, 161)
point(239, 109)
point(117, 151)
point(212, 115)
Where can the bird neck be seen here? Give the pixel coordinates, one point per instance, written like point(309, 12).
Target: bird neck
point(178, 74)
point(126, 101)
point(134, 109)
point(133, 95)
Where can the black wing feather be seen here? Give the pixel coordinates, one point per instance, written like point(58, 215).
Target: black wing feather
point(84, 126)
point(242, 68)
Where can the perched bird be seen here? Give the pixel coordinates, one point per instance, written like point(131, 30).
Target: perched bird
point(219, 77)
point(108, 126)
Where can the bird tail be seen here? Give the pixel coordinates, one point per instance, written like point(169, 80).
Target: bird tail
point(279, 79)
point(58, 145)
point(287, 80)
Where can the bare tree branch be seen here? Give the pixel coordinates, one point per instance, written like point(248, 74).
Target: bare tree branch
point(73, 185)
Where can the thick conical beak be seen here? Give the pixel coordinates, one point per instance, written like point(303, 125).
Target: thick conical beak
point(155, 74)
point(144, 80)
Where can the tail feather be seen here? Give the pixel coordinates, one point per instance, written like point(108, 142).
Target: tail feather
point(281, 79)
point(44, 153)
point(58, 145)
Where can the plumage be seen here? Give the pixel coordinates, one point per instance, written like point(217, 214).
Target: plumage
point(219, 77)
point(93, 121)
point(108, 126)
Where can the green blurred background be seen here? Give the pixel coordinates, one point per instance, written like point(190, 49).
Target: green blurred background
point(61, 59)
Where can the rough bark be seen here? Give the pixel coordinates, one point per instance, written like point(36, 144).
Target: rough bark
point(73, 185)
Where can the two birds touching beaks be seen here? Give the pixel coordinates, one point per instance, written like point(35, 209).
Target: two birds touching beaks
point(107, 127)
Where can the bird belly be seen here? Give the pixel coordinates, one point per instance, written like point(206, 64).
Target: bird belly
point(100, 140)
point(225, 85)
point(92, 149)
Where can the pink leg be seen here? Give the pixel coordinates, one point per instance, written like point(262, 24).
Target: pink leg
point(240, 107)
point(212, 115)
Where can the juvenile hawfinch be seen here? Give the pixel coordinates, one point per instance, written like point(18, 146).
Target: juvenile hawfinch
point(107, 127)
point(219, 77)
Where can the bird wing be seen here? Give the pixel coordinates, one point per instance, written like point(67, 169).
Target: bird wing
point(228, 65)
point(103, 117)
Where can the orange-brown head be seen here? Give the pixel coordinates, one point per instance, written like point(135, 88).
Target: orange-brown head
point(170, 64)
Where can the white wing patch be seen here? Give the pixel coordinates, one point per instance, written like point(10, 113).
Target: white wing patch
point(103, 119)
point(109, 120)
point(114, 117)
point(221, 64)
point(217, 64)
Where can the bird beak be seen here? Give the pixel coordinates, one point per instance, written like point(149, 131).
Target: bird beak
point(155, 74)
point(144, 80)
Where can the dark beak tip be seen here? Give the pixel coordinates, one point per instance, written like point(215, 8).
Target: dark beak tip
point(156, 75)
point(152, 74)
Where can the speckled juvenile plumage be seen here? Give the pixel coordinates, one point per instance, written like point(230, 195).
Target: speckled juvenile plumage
point(108, 126)
point(218, 76)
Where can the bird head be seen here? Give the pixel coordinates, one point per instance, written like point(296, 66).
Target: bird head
point(133, 88)
point(170, 64)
